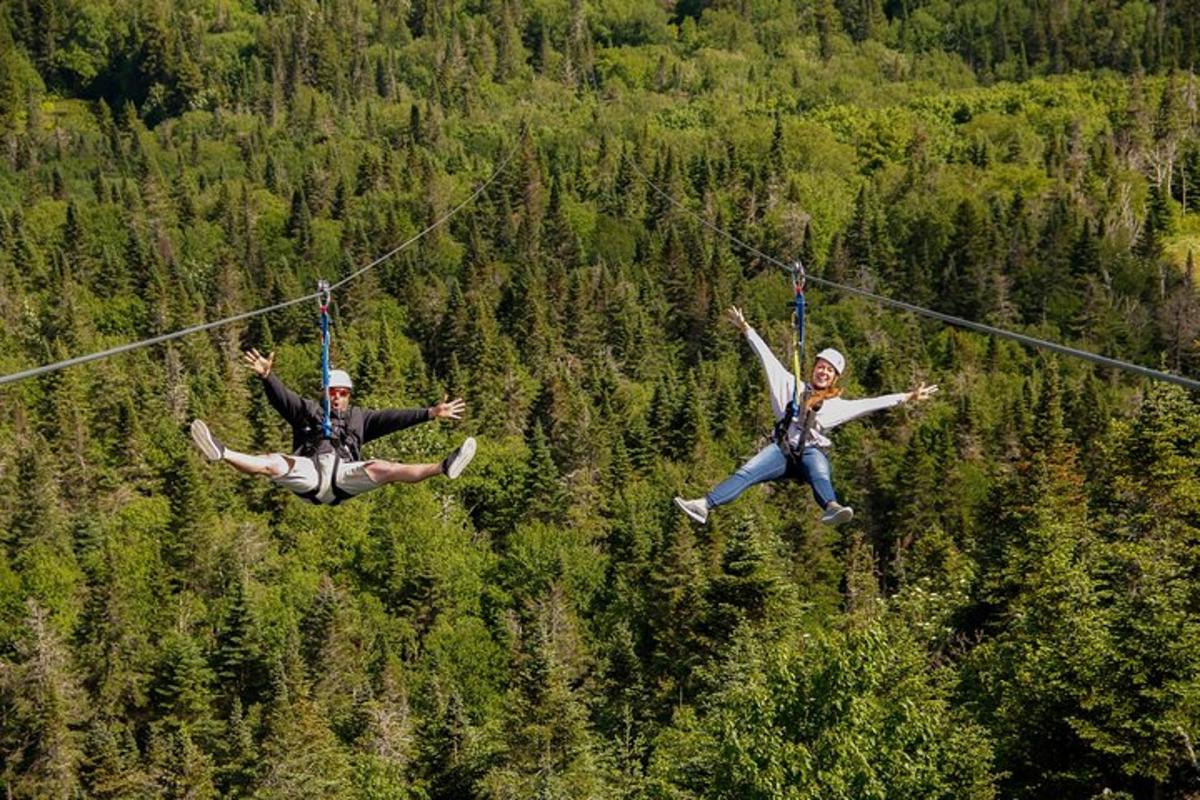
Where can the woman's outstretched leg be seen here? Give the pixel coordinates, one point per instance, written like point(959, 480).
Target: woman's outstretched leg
point(820, 477)
point(767, 465)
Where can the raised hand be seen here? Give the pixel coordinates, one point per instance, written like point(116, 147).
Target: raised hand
point(256, 361)
point(448, 409)
point(922, 392)
point(739, 321)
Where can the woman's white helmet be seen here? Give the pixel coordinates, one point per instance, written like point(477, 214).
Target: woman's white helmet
point(835, 358)
point(340, 379)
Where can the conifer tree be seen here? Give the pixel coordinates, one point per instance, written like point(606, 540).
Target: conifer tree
point(183, 685)
point(43, 731)
point(191, 517)
point(240, 666)
point(545, 493)
point(112, 767)
point(679, 612)
point(746, 590)
point(550, 750)
point(300, 755)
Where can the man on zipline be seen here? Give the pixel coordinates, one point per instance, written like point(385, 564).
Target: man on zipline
point(799, 446)
point(328, 470)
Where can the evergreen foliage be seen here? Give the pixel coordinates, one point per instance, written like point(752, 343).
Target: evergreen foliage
point(1013, 613)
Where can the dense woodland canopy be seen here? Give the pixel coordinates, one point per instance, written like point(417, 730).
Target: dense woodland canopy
point(1014, 611)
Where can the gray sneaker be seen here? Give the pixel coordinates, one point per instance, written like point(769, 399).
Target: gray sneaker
point(457, 461)
point(209, 445)
point(837, 514)
point(696, 509)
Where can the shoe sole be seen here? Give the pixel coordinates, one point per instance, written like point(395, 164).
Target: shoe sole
point(205, 441)
point(839, 517)
point(462, 456)
point(690, 513)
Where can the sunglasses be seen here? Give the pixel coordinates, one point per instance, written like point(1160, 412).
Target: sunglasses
point(339, 392)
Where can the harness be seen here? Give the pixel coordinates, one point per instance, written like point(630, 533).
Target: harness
point(341, 441)
point(339, 495)
point(808, 418)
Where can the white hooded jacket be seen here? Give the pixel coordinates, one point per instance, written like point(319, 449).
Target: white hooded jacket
point(833, 412)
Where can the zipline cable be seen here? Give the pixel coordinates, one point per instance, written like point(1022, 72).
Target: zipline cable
point(204, 326)
point(1030, 341)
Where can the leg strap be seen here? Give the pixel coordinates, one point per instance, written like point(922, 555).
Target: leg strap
point(339, 494)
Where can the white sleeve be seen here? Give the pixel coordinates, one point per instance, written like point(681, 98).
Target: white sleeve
point(780, 381)
point(835, 411)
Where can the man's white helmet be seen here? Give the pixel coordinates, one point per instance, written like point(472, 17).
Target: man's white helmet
point(340, 379)
point(835, 358)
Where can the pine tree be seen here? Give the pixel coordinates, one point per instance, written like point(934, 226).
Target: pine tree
point(180, 767)
point(300, 755)
point(510, 51)
point(239, 662)
point(968, 263)
point(679, 612)
point(746, 591)
point(549, 747)
point(1156, 226)
point(1038, 581)
point(112, 765)
point(299, 224)
point(43, 732)
point(239, 761)
point(867, 241)
point(183, 685)
point(1150, 514)
point(545, 492)
point(187, 548)
point(775, 154)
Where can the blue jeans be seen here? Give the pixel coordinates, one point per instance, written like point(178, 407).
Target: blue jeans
point(771, 464)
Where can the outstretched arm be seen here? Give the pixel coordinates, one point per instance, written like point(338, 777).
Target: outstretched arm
point(389, 420)
point(780, 381)
point(291, 406)
point(837, 411)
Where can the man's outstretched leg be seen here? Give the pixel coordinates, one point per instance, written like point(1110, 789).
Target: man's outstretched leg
point(270, 464)
point(452, 466)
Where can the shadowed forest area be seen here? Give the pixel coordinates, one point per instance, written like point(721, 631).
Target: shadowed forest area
point(1013, 613)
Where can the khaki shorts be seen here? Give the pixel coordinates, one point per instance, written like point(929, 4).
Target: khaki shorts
point(326, 479)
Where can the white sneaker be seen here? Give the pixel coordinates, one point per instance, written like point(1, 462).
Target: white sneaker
point(209, 445)
point(837, 514)
point(696, 509)
point(457, 461)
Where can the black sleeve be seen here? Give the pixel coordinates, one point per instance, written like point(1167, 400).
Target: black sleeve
point(389, 420)
point(291, 406)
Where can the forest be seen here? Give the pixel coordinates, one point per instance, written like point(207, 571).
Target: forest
point(1014, 611)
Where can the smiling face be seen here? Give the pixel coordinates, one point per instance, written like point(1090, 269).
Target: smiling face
point(823, 374)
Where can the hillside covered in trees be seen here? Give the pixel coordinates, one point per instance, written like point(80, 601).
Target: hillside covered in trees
point(1015, 611)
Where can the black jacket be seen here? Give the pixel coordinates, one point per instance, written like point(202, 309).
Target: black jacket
point(351, 429)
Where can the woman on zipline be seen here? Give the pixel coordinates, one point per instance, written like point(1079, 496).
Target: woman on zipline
point(799, 446)
point(326, 467)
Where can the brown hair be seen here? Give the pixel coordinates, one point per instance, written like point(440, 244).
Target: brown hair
point(818, 396)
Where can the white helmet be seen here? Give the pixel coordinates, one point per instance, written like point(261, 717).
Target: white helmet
point(340, 379)
point(835, 358)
